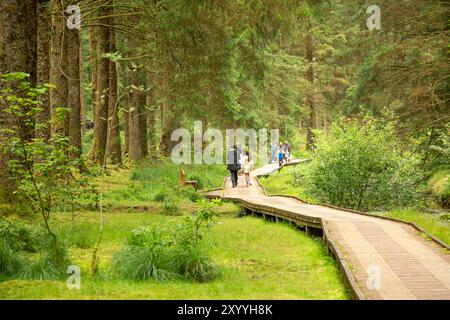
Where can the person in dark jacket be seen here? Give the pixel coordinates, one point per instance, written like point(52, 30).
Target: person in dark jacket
point(234, 164)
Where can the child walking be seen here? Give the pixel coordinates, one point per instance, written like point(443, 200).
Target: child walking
point(280, 155)
point(247, 166)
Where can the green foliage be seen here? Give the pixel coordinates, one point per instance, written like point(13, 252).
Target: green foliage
point(289, 181)
point(252, 263)
point(43, 171)
point(163, 252)
point(435, 224)
point(156, 182)
point(39, 269)
point(190, 193)
point(19, 245)
point(143, 263)
point(11, 261)
point(20, 236)
point(80, 235)
point(161, 194)
point(208, 176)
point(439, 184)
point(170, 203)
point(359, 165)
point(14, 209)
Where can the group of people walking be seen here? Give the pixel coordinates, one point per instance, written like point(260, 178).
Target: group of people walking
point(239, 160)
point(280, 153)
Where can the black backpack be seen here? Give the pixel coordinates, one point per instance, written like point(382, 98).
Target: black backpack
point(233, 163)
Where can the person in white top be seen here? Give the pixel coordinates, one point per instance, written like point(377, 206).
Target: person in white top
point(247, 167)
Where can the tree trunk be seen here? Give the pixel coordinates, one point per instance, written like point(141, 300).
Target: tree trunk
point(58, 71)
point(167, 118)
point(18, 26)
point(113, 147)
point(82, 96)
point(143, 125)
point(135, 150)
point(43, 68)
point(311, 123)
point(73, 96)
point(101, 97)
point(126, 117)
point(93, 67)
point(151, 124)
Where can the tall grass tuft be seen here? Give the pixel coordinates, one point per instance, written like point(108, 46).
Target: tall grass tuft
point(39, 269)
point(164, 252)
point(143, 263)
point(20, 243)
point(11, 261)
point(193, 262)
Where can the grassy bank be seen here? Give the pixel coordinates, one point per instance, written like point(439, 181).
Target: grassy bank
point(435, 224)
point(140, 185)
point(257, 259)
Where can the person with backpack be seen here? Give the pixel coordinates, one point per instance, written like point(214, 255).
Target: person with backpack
point(273, 152)
point(234, 164)
point(280, 155)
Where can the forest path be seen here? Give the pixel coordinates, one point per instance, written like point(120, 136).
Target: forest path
point(380, 258)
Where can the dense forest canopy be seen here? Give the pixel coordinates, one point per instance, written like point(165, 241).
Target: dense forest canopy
point(125, 74)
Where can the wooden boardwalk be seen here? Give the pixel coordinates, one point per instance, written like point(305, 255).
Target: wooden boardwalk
point(380, 258)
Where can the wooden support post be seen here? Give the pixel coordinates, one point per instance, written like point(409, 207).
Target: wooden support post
point(307, 230)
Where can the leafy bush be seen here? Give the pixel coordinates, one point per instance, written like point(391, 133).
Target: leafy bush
point(18, 240)
point(11, 262)
point(439, 184)
point(359, 165)
point(190, 193)
point(171, 203)
point(19, 236)
point(45, 175)
point(169, 251)
point(162, 194)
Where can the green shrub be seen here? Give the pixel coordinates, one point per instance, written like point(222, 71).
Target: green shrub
point(163, 252)
point(161, 194)
point(171, 203)
point(189, 193)
point(143, 263)
point(439, 184)
point(193, 262)
point(18, 240)
point(20, 236)
point(11, 262)
point(359, 165)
